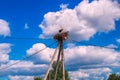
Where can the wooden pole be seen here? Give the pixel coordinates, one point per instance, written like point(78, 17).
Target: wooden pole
point(60, 37)
point(62, 58)
point(51, 62)
point(57, 64)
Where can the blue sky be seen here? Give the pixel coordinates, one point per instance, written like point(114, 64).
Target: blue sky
point(34, 22)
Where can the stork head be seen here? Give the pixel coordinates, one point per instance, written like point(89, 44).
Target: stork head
point(60, 30)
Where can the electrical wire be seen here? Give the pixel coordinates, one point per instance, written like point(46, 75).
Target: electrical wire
point(83, 43)
point(90, 44)
point(24, 38)
point(27, 57)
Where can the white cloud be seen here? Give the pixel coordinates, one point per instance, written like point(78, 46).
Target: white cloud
point(5, 48)
point(42, 56)
point(112, 46)
point(83, 21)
point(75, 75)
point(21, 77)
point(80, 55)
point(23, 68)
point(71, 45)
point(90, 74)
point(99, 14)
point(63, 6)
point(4, 58)
point(26, 26)
point(4, 28)
point(87, 55)
point(118, 40)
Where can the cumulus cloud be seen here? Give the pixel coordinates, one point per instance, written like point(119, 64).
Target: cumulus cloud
point(75, 75)
point(42, 56)
point(80, 55)
point(83, 21)
point(23, 68)
point(63, 6)
point(99, 14)
point(90, 74)
point(4, 28)
point(26, 26)
point(118, 40)
point(21, 77)
point(5, 48)
point(112, 46)
point(83, 55)
point(4, 58)
point(77, 56)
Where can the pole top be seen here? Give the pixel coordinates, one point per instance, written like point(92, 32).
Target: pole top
point(60, 30)
point(61, 35)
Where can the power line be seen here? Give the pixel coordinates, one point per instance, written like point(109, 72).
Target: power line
point(83, 43)
point(27, 57)
point(90, 44)
point(24, 38)
point(49, 46)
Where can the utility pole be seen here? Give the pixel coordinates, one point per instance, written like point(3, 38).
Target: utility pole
point(60, 37)
point(51, 62)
